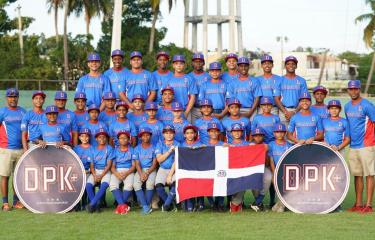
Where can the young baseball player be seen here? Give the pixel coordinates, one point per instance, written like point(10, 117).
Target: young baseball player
point(165, 156)
point(145, 163)
point(138, 115)
point(207, 117)
point(94, 124)
point(319, 108)
point(138, 81)
point(161, 74)
point(108, 115)
point(155, 125)
point(32, 119)
point(266, 120)
point(215, 90)
point(178, 122)
point(245, 88)
point(100, 167)
point(117, 73)
point(164, 113)
point(80, 113)
point(305, 127)
point(94, 84)
point(231, 61)
point(123, 168)
point(122, 124)
point(10, 143)
point(183, 85)
point(234, 106)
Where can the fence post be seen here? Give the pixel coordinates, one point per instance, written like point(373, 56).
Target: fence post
point(39, 84)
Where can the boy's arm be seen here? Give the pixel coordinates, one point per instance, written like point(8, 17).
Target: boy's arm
point(153, 167)
point(190, 104)
point(107, 168)
point(24, 141)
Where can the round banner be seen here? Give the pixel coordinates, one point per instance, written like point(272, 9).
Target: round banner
point(311, 178)
point(49, 179)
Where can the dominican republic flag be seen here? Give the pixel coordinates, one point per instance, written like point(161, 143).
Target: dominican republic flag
point(218, 171)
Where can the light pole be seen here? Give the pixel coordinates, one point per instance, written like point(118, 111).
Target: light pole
point(116, 26)
point(18, 9)
point(282, 39)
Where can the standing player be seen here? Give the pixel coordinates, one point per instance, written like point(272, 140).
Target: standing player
point(94, 124)
point(155, 125)
point(80, 113)
point(288, 90)
point(122, 124)
point(32, 119)
point(178, 122)
point(162, 74)
point(94, 84)
point(164, 113)
point(231, 61)
point(138, 115)
point(10, 143)
point(207, 117)
point(319, 108)
point(360, 114)
point(116, 74)
point(108, 115)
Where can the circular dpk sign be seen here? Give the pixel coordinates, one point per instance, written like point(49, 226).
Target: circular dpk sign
point(49, 179)
point(311, 178)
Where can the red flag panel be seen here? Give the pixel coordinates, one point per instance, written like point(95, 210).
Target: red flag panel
point(246, 156)
point(189, 188)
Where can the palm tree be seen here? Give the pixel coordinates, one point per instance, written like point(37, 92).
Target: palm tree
point(55, 5)
point(368, 36)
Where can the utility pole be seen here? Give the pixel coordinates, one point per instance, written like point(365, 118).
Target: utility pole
point(20, 33)
point(282, 39)
point(116, 27)
point(323, 66)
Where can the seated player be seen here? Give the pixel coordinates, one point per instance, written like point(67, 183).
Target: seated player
point(155, 125)
point(94, 124)
point(178, 122)
point(108, 115)
point(138, 115)
point(122, 124)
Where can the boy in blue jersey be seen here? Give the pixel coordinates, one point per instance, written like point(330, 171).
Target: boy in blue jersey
point(165, 156)
point(117, 73)
point(108, 115)
point(161, 74)
point(178, 122)
point(123, 168)
point(266, 120)
point(122, 124)
point(288, 90)
point(155, 125)
point(10, 143)
point(183, 85)
point(207, 117)
point(231, 61)
point(138, 81)
point(145, 163)
point(94, 124)
point(234, 106)
point(80, 113)
point(94, 84)
point(319, 108)
point(32, 120)
point(305, 127)
point(138, 115)
point(100, 167)
point(164, 113)
point(215, 90)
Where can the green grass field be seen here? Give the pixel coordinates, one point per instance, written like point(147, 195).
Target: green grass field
point(22, 224)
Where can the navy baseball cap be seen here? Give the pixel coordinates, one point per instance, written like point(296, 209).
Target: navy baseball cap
point(232, 101)
point(168, 127)
point(39, 93)
point(231, 55)
point(243, 60)
point(354, 84)
point(257, 131)
point(212, 125)
point(279, 127)
point(320, 88)
point(138, 96)
point(117, 52)
point(80, 95)
point(190, 126)
point(151, 106)
point(12, 92)
point(101, 131)
point(266, 58)
point(60, 95)
point(122, 103)
point(51, 109)
point(84, 130)
point(93, 57)
point(304, 95)
point(162, 53)
point(93, 107)
point(334, 103)
point(109, 95)
point(198, 56)
point(144, 130)
point(215, 66)
point(178, 58)
point(176, 106)
point(167, 88)
point(266, 100)
point(123, 132)
point(135, 54)
point(291, 58)
point(236, 127)
point(205, 102)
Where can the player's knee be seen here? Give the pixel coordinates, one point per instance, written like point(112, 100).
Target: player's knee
point(113, 187)
point(137, 186)
point(128, 187)
point(150, 185)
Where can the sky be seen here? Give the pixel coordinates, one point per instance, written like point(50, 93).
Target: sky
point(307, 23)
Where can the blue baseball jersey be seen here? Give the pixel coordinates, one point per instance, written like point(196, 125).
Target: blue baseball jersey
point(275, 150)
point(94, 87)
point(10, 127)
point(219, 143)
point(123, 159)
point(139, 83)
point(321, 111)
point(227, 125)
point(107, 117)
point(53, 133)
point(116, 79)
point(335, 130)
point(199, 80)
point(94, 127)
point(145, 156)
point(161, 80)
point(268, 85)
point(101, 156)
point(164, 115)
point(245, 90)
point(361, 118)
point(31, 122)
point(290, 90)
point(137, 119)
point(202, 125)
point(240, 144)
point(305, 126)
point(266, 122)
point(217, 92)
point(194, 144)
point(119, 126)
point(157, 131)
point(86, 154)
point(162, 148)
point(228, 78)
point(68, 119)
point(179, 130)
point(81, 119)
point(183, 87)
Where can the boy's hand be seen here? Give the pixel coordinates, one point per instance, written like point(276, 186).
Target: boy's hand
point(309, 141)
point(59, 144)
point(169, 180)
point(43, 144)
point(334, 147)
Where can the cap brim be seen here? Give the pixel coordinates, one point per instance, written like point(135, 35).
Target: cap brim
point(39, 94)
point(102, 133)
point(141, 133)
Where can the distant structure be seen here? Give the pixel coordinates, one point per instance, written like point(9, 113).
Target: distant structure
point(233, 18)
